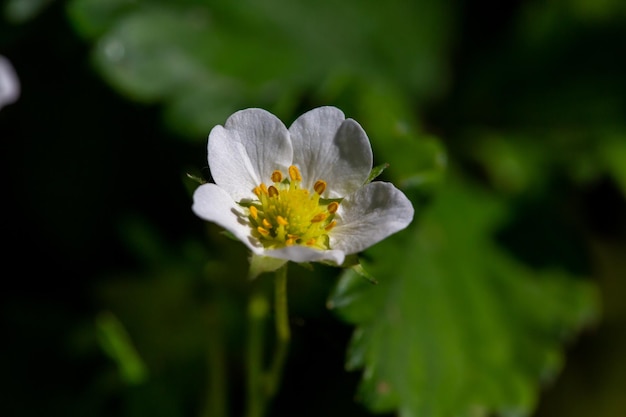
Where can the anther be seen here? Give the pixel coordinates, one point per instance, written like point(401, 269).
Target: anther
point(318, 217)
point(281, 221)
point(254, 212)
point(267, 224)
point(277, 176)
point(291, 240)
point(272, 191)
point(263, 231)
point(262, 188)
point(311, 241)
point(294, 173)
point(332, 207)
point(320, 186)
point(330, 225)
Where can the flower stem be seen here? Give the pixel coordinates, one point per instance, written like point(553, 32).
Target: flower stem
point(257, 313)
point(263, 386)
point(283, 334)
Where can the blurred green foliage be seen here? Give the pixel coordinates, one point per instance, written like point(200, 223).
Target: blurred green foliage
point(204, 60)
point(456, 326)
point(507, 133)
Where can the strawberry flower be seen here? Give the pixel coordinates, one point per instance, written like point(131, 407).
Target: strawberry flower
point(298, 194)
point(9, 83)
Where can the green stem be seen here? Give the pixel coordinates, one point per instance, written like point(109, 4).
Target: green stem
point(263, 386)
point(257, 313)
point(283, 334)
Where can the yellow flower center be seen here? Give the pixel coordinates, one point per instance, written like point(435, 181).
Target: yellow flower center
point(286, 214)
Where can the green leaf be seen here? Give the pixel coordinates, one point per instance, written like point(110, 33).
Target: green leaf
point(614, 153)
point(456, 326)
point(21, 11)
point(415, 159)
point(116, 342)
point(204, 60)
point(196, 178)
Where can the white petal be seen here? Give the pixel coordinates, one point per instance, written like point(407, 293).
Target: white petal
point(370, 215)
point(242, 154)
point(299, 253)
point(326, 146)
point(9, 83)
point(212, 203)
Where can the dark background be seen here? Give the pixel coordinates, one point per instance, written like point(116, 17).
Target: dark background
point(80, 163)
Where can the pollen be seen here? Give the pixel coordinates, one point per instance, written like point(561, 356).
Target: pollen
point(277, 176)
point(288, 213)
point(320, 186)
point(272, 191)
point(294, 173)
point(260, 189)
point(318, 217)
point(254, 212)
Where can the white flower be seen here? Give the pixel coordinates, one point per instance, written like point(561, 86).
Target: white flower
point(298, 194)
point(9, 84)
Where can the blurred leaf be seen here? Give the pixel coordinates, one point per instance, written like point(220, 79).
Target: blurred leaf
point(513, 164)
point(116, 342)
point(204, 60)
point(20, 11)
point(614, 156)
point(152, 53)
point(457, 327)
point(518, 162)
point(415, 159)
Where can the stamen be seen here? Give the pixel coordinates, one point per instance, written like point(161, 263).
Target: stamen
point(261, 188)
point(272, 191)
point(291, 240)
point(318, 217)
point(277, 176)
point(288, 214)
point(332, 207)
point(254, 212)
point(320, 186)
point(294, 173)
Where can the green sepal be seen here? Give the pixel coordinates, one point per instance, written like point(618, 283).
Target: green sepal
point(353, 262)
point(197, 179)
point(350, 261)
point(307, 265)
point(229, 235)
point(363, 273)
point(260, 264)
point(376, 171)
